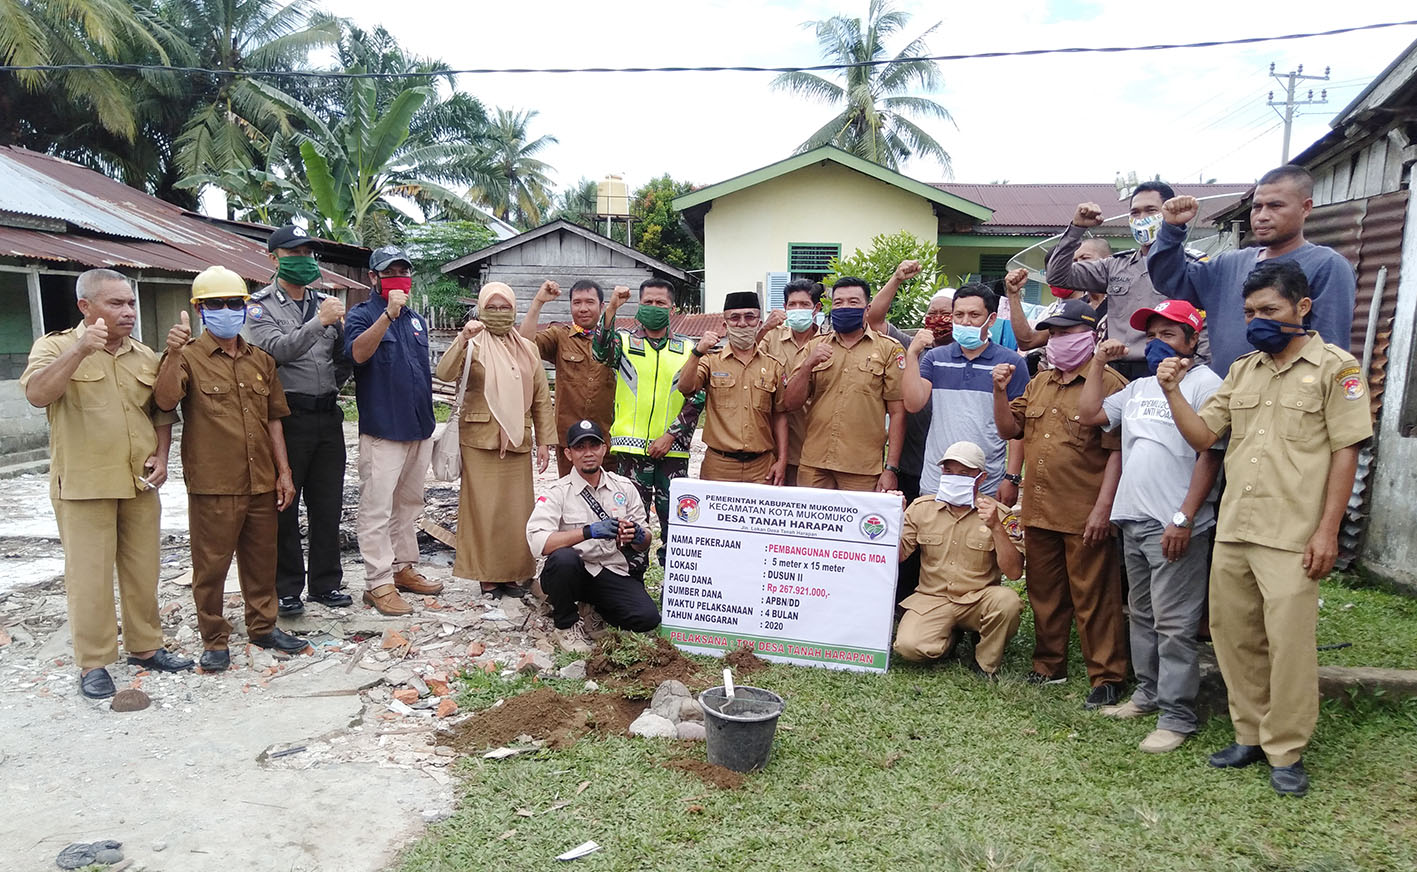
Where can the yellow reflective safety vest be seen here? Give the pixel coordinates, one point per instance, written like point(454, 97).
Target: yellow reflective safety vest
point(647, 396)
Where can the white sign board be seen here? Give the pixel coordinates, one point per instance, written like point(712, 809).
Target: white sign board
point(798, 575)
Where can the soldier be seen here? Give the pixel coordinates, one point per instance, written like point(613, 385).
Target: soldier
point(233, 460)
point(654, 423)
point(584, 388)
point(303, 330)
point(1296, 411)
point(108, 446)
point(745, 430)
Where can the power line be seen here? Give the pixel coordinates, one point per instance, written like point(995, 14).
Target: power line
point(319, 74)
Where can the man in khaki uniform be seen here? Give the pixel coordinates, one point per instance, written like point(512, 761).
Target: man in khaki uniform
point(1296, 411)
point(108, 447)
point(853, 378)
point(745, 424)
point(963, 547)
point(234, 462)
point(584, 388)
point(785, 337)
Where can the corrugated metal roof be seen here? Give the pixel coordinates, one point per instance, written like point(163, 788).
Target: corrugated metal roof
point(118, 226)
point(1045, 209)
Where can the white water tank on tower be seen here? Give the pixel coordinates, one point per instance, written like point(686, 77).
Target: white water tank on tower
point(612, 198)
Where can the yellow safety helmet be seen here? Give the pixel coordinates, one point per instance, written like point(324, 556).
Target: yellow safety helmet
point(218, 283)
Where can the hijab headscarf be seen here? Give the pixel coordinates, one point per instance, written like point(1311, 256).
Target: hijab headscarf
point(510, 363)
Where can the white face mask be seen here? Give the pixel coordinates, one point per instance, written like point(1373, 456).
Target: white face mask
point(1144, 230)
point(957, 490)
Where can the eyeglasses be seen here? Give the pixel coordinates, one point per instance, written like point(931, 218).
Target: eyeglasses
point(215, 305)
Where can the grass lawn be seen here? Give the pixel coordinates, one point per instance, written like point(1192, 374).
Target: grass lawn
point(927, 768)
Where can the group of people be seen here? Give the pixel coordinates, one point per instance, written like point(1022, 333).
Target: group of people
point(1161, 370)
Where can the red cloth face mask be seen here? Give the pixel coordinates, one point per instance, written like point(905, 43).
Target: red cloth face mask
point(1063, 293)
point(394, 283)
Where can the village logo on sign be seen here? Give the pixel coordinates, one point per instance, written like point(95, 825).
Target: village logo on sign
point(687, 509)
point(874, 527)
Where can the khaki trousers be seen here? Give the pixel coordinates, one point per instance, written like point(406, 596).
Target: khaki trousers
point(222, 525)
point(392, 476)
point(716, 467)
point(1068, 578)
point(830, 479)
point(99, 535)
point(923, 635)
point(1263, 616)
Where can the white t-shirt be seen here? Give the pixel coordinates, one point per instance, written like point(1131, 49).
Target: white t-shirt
point(1156, 460)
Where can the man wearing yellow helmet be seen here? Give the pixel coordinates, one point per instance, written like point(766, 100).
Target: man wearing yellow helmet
point(234, 462)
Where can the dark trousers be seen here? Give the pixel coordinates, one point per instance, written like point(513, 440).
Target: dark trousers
point(908, 576)
point(314, 441)
point(1067, 579)
point(622, 601)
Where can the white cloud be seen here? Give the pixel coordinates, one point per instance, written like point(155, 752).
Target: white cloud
point(1184, 113)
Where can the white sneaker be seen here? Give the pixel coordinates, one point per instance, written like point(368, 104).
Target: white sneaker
point(1162, 741)
point(594, 624)
point(572, 640)
point(1126, 711)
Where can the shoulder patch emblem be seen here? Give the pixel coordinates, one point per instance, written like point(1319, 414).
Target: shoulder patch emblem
point(254, 312)
point(900, 360)
point(1352, 383)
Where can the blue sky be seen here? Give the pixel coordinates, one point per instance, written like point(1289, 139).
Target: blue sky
point(1186, 114)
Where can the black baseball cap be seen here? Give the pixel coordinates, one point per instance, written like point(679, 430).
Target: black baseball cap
point(380, 258)
point(291, 236)
point(1072, 313)
point(582, 430)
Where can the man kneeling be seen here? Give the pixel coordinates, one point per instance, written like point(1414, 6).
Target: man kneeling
point(963, 547)
point(580, 525)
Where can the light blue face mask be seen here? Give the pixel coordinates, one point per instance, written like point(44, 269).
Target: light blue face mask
point(970, 338)
point(224, 323)
point(800, 320)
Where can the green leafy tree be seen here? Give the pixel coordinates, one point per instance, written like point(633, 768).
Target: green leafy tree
point(874, 101)
point(577, 204)
point(660, 231)
point(438, 242)
point(879, 263)
point(519, 190)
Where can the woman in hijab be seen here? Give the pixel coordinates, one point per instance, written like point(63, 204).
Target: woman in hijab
point(506, 397)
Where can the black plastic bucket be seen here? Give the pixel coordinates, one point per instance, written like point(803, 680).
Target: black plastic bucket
point(739, 733)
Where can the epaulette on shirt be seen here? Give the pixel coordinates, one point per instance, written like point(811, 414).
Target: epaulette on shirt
point(261, 294)
point(1195, 255)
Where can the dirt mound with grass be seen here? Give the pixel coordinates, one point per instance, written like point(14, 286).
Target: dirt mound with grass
point(717, 776)
point(637, 665)
point(546, 715)
point(745, 662)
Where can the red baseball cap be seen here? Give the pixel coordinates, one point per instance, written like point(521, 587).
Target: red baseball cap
point(1172, 310)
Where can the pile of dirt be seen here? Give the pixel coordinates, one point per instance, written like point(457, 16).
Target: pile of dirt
point(717, 776)
point(547, 715)
point(745, 662)
point(661, 663)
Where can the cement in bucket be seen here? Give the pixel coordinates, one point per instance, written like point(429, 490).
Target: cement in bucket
point(739, 733)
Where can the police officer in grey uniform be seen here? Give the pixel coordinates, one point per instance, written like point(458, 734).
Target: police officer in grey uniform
point(303, 330)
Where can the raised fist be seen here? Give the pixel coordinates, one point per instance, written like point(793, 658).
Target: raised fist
point(1003, 374)
point(331, 310)
point(1015, 280)
point(548, 291)
point(1180, 210)
point(619, 297)
point(471, 329)
point(907, 270)
point(820, 354)
point(921, 341)
point(1087, 215)
point(96, 336)
point(1110, 350)
point(1171, 371)
point(776, 318)
point(397, 300)
point(179, 334)
point(708, 341)
point(988, 511)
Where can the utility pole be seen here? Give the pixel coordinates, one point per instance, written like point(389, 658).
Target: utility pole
point(1289, 81)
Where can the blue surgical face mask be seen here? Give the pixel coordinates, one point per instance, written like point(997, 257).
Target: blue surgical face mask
point(846, 320)
point(800, 320)
point(1158, 350)
point(970, 338)
point(224, 323)
point(1269, 335)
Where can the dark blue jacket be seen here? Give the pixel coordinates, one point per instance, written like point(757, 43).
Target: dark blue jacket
point(394, 387)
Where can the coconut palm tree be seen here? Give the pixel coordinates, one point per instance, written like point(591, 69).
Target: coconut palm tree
point(520, 190)
point(577, 204)
point(874, 100)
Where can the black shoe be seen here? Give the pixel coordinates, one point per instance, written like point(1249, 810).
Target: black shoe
point(280, 640)
point(335, 599)
point(215, 660)
point(290, 605)
point(97, 684)
point(1107, 693)
point(991, 677)
point(1289, 780)
point(162, 661)
point(1235, 755)
point(1040, 678)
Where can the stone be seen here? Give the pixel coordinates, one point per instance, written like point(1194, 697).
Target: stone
point(393, 639)
point(591, 686)
point(108, 856)
point(438, 686)
point(690, 710)
point(691, 731)
point(447, 708)
point(130, 700)
point(667, 699)
point(417, 684)
point(444, 751)
point(398, 675)
point(1337, 682)
point(574, 670)
point(651, 726)
point(532, 662)
point(406, 695)
point(159, 847)
point(475, 649)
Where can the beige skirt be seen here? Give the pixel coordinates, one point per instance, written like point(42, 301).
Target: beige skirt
point(494, 503)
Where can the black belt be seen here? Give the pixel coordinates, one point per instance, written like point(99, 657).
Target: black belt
point(307, 403)
point(740, 456)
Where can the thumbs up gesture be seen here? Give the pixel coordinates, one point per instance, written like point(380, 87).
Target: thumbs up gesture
point(180, 333)
point(95, 337)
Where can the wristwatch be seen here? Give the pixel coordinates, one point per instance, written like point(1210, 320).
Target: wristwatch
point(1181, 520)
point(891, 468)
point(1016, 478)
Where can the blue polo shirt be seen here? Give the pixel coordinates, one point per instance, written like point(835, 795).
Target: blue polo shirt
point(962, 407)
point(394, 387)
